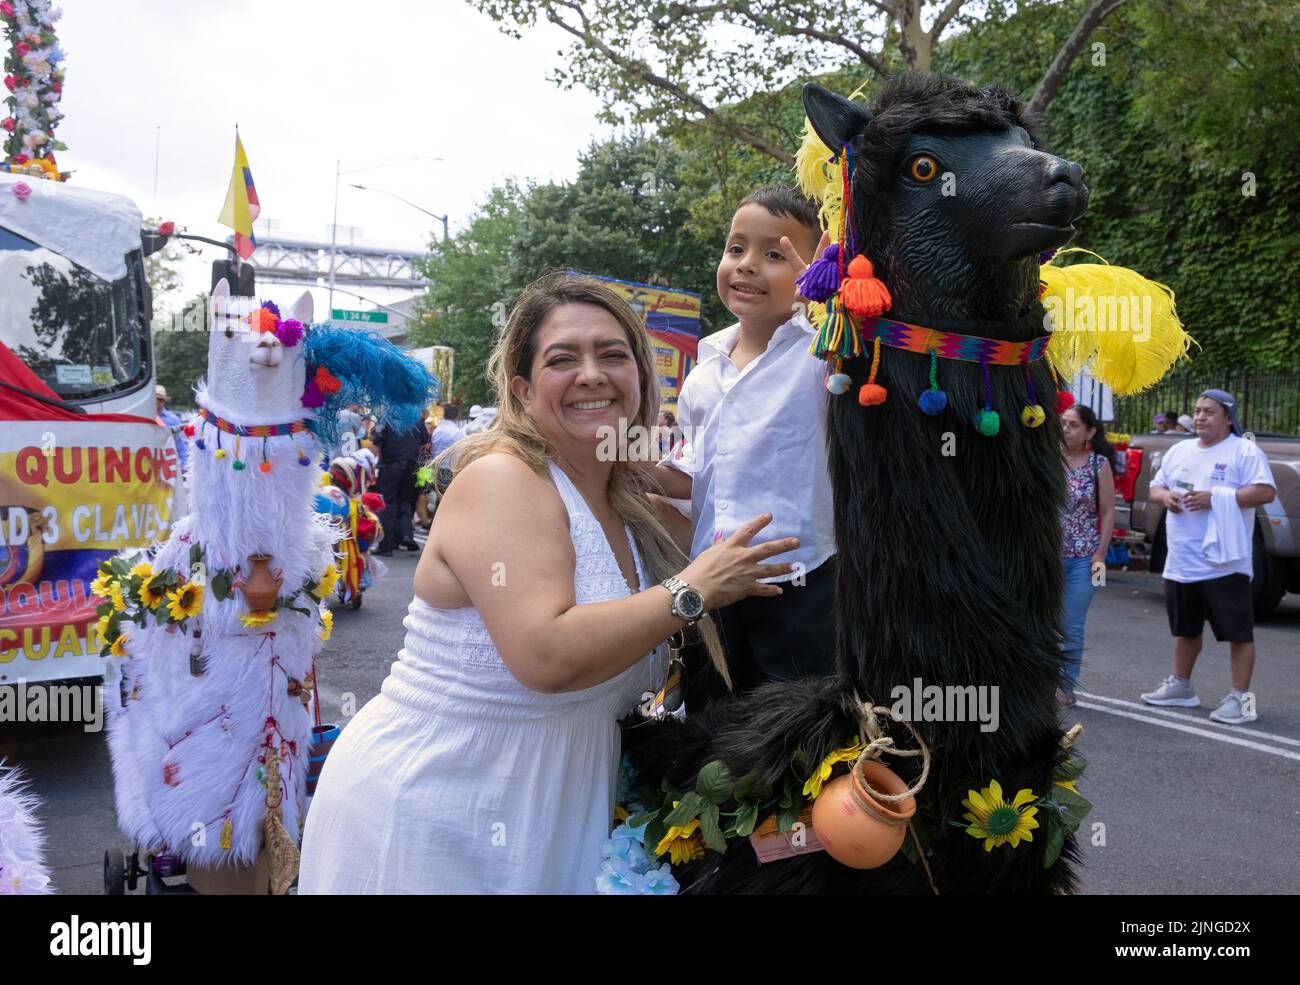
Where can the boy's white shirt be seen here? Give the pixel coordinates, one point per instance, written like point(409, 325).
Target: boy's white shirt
point(754, 441)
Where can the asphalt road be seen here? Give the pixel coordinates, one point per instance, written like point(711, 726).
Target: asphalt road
point(1188, 805)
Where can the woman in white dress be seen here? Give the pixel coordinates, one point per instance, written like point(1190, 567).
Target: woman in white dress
point(489, 761)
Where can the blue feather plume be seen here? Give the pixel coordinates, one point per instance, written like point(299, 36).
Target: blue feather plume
point(374, 372)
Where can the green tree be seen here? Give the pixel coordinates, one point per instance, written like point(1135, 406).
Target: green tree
point(473, 280)
point(180, 345)
point(717, 63)
point(162, 270)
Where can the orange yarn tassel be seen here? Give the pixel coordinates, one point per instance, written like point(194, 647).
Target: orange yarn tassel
point(862, 292)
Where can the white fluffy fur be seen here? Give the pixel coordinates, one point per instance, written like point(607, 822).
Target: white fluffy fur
point(234, 514)
point(23, 871)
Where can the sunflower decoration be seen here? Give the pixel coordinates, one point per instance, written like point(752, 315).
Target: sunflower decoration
point(326, 624)
point(813, 787)
point(328, 579)
point(258, 619)
point(100, 586)
point(118, 649)
point(117, 597)
point(152, 593)
point(185, 601)
point(998, 822)
point(685, 842)
point(142, 570)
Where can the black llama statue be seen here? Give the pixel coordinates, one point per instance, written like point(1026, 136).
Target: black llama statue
point(946, 518)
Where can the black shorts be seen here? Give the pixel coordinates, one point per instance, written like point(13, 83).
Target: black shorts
point(1227, 602)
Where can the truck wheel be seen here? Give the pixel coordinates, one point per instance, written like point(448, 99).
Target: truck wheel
point(1268, 584)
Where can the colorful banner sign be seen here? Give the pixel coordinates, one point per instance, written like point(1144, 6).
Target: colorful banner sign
point(71, 495)
point(672, 318)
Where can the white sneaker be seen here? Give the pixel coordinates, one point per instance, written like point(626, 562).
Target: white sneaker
point(1173, 692)
point(1236, 709)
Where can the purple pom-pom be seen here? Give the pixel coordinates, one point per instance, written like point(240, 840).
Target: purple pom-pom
point(822, 278)
point(311, 395)
point(289, 332)
point(272, 307)
point(1046, 256)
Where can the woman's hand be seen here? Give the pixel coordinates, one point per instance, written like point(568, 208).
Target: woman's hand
point(729, 570)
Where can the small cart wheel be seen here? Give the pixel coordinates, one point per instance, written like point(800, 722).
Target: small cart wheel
point(114, 874)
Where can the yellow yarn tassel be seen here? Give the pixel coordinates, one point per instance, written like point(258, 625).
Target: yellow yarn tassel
point(1113, 321)
point(227, 834)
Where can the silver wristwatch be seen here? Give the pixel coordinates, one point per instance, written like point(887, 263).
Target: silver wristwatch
point(687, 603)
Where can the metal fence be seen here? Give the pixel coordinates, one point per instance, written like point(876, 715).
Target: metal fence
point(1268, 401)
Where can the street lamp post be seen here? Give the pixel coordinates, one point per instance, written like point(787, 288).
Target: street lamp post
point(334, 227)
point(446, 235)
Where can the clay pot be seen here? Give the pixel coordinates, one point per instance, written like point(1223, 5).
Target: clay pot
point(322, 740)
point(261, 588)
point(857, 838)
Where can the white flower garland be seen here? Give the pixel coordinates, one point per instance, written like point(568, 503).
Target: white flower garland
point(34, 80)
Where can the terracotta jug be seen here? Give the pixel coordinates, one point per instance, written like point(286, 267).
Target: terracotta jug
point(261, 588)
point(858, 838)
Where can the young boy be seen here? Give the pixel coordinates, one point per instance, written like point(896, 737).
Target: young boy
point(752, 413)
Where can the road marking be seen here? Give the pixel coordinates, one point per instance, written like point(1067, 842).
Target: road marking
point(1168, 713)
point(1230, 739)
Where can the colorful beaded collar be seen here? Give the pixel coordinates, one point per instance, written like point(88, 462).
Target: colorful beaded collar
point(952, 345)
point(263, 431)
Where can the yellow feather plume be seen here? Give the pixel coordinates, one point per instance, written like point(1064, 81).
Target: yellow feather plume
point(818, 178)
point(1113, 321)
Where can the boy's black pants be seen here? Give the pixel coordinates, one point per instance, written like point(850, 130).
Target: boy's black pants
point(780, 638)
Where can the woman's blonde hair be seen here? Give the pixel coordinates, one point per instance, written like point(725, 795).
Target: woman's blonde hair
point(514, 431)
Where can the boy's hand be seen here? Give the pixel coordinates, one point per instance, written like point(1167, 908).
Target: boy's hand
point(798, 262)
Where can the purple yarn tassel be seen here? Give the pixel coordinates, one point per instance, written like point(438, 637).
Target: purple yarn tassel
point(822, 278)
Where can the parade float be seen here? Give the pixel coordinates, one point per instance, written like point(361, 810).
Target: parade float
point(212, 635)
point(946, 319)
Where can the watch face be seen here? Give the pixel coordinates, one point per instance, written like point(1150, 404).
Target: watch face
point(690, 603)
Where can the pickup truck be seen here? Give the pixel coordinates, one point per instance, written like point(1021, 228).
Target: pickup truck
point(1277, 524)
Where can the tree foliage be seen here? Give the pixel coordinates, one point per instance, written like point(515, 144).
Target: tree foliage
point(180, 346)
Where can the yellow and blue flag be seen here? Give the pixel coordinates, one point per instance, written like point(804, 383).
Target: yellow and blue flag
point(241, 206)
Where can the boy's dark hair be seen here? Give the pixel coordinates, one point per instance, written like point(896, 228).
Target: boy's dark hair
point(782, 200)
point(450, 412)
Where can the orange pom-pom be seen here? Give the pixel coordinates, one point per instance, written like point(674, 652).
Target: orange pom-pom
point(326, 381)
point(872, 394)
point(265, 467)
point(263, 320)
point(863, 293)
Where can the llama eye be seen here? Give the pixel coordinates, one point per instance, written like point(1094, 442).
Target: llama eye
point(924, 168)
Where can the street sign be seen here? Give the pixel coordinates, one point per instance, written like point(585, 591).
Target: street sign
point(372, 317)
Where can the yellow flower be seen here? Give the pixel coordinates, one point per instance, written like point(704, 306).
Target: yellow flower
point(813, 787)
point(684, 842)
point(101, 627)
point(1071, 785)
point(144, 569)
point(253, 620)
point(328, 579)
point(118, 649)
point(149, 595)
point(998, 822)
point(185, 601)
point(326, 624)
point(620, 813)
point(115, 595)
point(99, 587)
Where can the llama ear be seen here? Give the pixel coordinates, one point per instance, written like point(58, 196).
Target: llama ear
point(836, 119)
point(302, 308)
point(222, 289)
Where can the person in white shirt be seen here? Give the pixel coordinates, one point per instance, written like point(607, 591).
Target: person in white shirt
point(1211, 487)
point(752, 414)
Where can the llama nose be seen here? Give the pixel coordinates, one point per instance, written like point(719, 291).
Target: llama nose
point(1066, 172)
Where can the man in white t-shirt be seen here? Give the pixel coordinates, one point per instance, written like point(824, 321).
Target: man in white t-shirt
point(1210, 488)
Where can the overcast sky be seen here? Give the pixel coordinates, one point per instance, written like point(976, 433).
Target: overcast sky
point(310, 82)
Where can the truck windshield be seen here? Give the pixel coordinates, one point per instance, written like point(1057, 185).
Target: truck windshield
point(82, 335)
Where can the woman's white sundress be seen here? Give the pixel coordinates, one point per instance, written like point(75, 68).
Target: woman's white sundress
point(458, 779)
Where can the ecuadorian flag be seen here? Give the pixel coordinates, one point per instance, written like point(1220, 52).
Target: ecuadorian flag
point(241, 206)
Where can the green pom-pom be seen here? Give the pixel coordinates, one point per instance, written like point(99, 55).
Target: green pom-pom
point(237, 465)
point(987, 423)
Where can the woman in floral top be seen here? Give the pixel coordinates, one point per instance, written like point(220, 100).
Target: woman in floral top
point(1087, 521)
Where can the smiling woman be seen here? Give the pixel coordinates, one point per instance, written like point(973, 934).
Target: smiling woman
point(545, 594)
